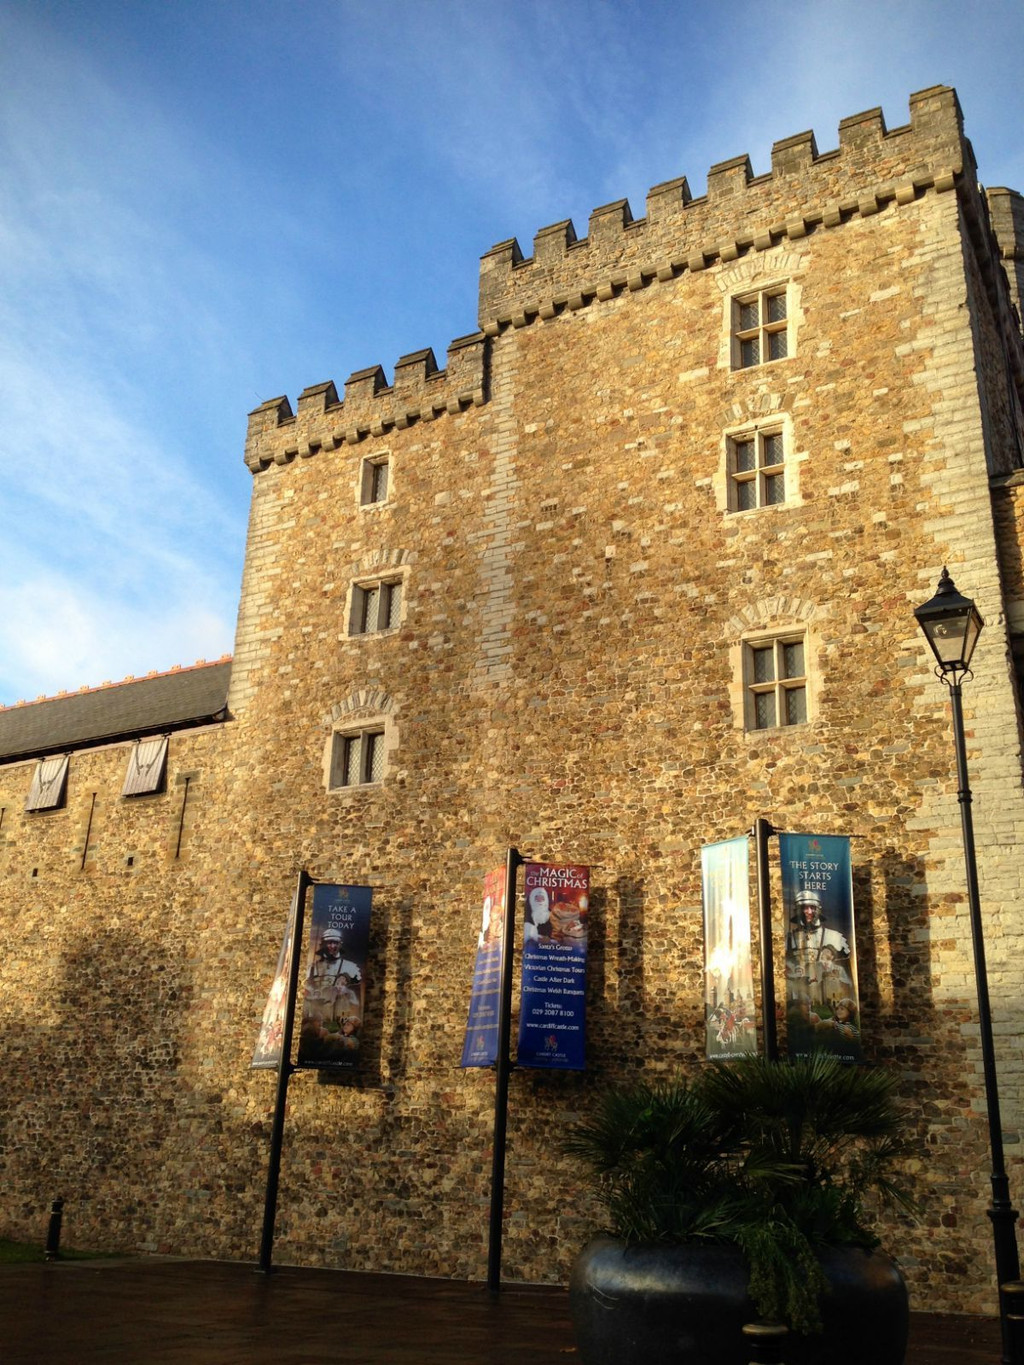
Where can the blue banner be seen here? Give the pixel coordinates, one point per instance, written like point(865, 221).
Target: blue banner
point(822, 1003)
point(332, 1007)
point(553, 998)
point(481, 1045)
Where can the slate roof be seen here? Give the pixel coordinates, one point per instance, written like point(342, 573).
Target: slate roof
point(155, 704)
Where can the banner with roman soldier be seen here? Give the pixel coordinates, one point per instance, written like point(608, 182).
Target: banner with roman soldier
point(822, 1003)
point(554, 978)
point(729, 1018)
point(334, 995)
point(480, 1047)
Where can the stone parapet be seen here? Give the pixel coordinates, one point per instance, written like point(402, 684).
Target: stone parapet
point(740, 212)
point(1006, 212)
point(420, 392)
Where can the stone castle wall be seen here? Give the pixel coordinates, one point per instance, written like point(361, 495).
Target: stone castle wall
point(106, 907)
point(566, 678)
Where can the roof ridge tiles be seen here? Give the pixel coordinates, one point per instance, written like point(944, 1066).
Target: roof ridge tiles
point(109, 685)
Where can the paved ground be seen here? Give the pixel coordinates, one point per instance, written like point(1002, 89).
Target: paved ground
point(152, 1312)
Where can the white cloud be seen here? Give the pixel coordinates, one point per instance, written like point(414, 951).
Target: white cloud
point(111, 550)
point(206, 207)
point(58, 634)
point(86, 467)
point(121, 550)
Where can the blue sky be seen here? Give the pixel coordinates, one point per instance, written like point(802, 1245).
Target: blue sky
point(206, 204)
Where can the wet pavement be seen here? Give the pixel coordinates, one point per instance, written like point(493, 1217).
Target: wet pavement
point(154, 1311)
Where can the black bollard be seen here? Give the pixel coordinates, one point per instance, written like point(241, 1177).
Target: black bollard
point(767, 1341)
point(1013, 1301)
point(52, 1251)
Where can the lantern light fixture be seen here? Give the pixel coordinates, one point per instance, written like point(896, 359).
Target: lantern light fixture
point(951, 624)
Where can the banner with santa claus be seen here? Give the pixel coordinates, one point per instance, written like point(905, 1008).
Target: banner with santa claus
point(554, 979)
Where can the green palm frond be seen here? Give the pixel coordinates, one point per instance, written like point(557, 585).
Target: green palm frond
point(776, 1158)
point(816, 1095)
point(669, 1121)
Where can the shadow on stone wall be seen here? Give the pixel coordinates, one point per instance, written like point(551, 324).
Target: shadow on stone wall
point(894, 965)
point(930, 1043)
point(90, 1099)
point(617, 1015)
point(387, 1019)
point(398, 968)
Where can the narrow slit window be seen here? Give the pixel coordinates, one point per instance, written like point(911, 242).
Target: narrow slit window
point(390, 605)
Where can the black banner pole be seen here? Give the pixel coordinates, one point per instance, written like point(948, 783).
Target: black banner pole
point(503, 1070)
point(284, 1071)
point(762, 831)
point(1001, 1211)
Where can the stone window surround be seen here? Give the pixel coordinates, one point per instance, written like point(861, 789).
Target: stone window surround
point(763, 621)
point(777, 425)
point(765, 332)
point(362, 713)
point(767, 273)
point(763, 413)
point(380, 577)
point(368, 738)
point(365, 488)
point(777, 686)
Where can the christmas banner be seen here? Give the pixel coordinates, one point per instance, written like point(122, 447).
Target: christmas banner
point(730, 1020)
point(332, 1006)
point(481, 1045)
point(822, 1004)
point(553, 998)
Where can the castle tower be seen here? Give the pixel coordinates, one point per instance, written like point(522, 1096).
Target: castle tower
point(635, 567)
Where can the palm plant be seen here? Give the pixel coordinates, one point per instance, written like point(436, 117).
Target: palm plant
point(774, 1157)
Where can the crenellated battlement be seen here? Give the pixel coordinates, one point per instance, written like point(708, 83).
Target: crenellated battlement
point(1006, 214)
point(419, 392)
point(741, 212)
point(872, 166)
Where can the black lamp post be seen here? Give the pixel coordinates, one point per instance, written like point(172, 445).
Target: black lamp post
point(951, 625)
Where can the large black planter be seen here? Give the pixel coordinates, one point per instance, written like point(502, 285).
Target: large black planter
point(686, 1305)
